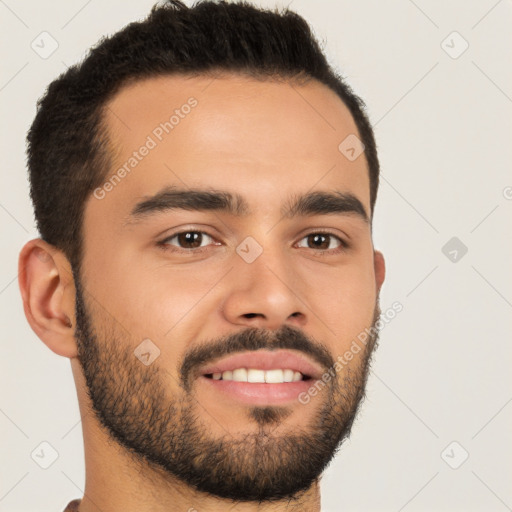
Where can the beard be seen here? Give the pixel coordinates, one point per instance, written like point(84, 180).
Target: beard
point(173, 436)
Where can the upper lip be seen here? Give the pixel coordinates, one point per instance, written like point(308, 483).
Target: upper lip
point(265, 360)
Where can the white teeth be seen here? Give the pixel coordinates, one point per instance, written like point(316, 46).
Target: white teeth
point(240, 375)
point(288, 375)
point(276, 376)
point(255, 375)
point(227, 375)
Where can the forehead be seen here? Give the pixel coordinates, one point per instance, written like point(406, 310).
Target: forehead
point(265, 140)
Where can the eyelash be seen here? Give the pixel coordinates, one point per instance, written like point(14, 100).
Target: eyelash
point(165, 246)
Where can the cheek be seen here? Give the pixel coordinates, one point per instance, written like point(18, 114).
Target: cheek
point(347, 307)
point(165, 300)
point(340, 300)
point(158, 303)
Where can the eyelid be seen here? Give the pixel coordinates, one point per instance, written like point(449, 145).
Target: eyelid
point(345, 237)
point(185, 228)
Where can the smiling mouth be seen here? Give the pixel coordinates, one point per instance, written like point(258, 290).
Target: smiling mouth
point(258, 376)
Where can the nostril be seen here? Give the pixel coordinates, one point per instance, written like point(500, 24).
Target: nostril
point(250, 315)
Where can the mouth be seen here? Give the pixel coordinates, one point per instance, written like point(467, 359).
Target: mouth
point(256, 375)
point(261, 377)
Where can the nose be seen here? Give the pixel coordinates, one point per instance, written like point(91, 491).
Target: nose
point(264, 294)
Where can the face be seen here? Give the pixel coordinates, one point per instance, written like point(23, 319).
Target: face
point(266, 263)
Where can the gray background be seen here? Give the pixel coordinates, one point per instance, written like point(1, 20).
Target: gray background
point(442, 371)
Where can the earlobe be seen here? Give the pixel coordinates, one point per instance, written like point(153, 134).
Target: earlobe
point(380, 269)
point(47, 289)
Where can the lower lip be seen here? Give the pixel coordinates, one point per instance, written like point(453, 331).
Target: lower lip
point(259, 393)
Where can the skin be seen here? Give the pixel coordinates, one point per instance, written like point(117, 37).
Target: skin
point(265, 141)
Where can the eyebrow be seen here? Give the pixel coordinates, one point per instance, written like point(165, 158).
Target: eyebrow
point(308, 204)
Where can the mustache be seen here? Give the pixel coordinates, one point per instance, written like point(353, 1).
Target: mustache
point(248, 340)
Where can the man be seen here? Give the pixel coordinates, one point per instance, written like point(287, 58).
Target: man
point(204, 186)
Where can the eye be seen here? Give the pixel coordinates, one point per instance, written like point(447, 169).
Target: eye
point(194, 241)
point(323, 242)
point(188, 240)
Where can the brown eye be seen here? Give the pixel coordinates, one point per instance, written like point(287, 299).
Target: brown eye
point(323, 241)
point(188, 239)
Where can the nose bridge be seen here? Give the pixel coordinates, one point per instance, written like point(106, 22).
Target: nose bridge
point(264, 293)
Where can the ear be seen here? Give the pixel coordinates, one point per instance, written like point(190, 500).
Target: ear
point(379, 266)
point(48, 292)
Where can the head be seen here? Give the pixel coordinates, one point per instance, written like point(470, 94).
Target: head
point(195, 200)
